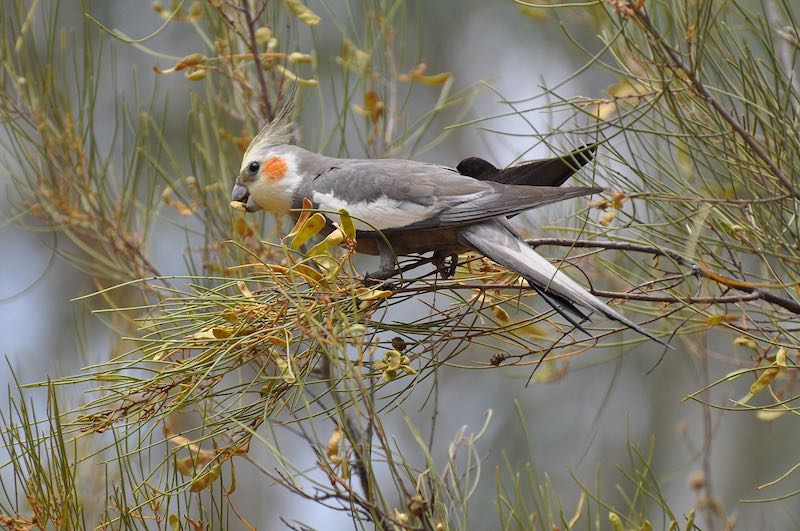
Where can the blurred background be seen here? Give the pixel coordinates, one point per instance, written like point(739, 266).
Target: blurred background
point(577, 428)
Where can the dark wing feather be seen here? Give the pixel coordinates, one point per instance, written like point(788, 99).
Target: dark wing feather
point(544, 172)
point(477, 168)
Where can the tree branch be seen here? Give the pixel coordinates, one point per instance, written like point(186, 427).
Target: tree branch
point(703, 92)
point(755, 291)
point(251, 30)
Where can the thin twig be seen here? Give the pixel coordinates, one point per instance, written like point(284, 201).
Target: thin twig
point(622, 295)
point(708, 434)
point(357, 437)
point(391, 107)
point(703, 92)
point(785, 51)
point(754, 292)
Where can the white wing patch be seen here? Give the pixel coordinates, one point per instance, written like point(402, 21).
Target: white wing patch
point(381, 214)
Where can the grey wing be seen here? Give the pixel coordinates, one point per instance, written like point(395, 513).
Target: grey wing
point(508, 200)
point(391, 193)
point(398, 194)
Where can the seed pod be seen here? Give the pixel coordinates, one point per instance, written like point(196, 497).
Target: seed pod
point(398, 344)
point(205, 480)
point(196, 74)
point(300, 58)
point(309, 229)
point(500, 314)
point(263, 35)
point(302, 12)
point(332, 449)
point(195, 11)
point(193, 59)
point(766, 378)
point(744, 341)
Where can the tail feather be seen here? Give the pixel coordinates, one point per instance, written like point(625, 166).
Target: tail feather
point(564, 308)
point(497, 242)
point(544, 172)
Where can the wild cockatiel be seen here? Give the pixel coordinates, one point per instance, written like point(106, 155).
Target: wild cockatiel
point(403, 207)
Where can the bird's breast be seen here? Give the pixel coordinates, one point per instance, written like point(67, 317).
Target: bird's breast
point(276, 197)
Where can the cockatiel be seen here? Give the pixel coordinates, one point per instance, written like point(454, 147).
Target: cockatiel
point(420, 207)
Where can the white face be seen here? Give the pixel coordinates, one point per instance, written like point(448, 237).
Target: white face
point(270, 179)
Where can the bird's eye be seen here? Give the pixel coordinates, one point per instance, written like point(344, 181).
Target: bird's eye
point(253, 166)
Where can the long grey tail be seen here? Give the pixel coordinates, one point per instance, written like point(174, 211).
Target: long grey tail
point(496, 241)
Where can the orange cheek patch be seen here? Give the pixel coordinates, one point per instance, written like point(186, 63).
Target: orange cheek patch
point(274, 169)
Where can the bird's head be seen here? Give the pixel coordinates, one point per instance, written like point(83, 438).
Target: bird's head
point(268, 174)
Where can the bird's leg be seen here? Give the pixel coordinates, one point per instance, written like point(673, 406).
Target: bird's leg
point(445, 270)
point(387, 267)
point(437, 260)
point(451, 269)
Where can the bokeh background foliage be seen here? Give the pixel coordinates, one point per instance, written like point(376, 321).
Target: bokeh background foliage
point(247, 379)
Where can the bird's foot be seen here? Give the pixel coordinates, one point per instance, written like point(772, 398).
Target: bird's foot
point(451, 269)
point(371, 278)
point(446, 270)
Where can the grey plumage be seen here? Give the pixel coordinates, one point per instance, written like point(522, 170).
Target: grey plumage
point(552, 171)
point(453, 199)
point(418, 207)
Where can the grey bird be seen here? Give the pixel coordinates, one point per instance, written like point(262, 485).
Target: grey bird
point(404, 207)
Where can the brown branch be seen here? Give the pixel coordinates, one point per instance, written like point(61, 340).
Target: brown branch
point(787, 304)
point(359, 439)
point(703, 92)
point(754, 292)
point(137, 252)
point(364, 507)
point(709, 200)
point(607, 244)
point(661, 298)
point(251, 30)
